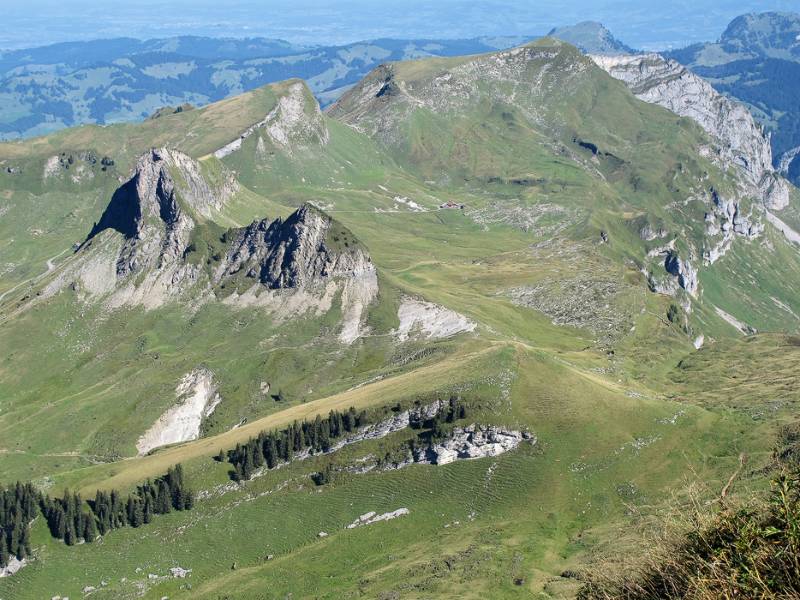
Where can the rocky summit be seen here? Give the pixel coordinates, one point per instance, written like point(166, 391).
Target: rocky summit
point(473, 330)
point(305, 248)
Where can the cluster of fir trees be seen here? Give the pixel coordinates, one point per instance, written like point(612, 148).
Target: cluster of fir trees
point(158, 497)
point(18, 507)
point(68, 521)
point(436, 430)
point(271, 448)
point(67, 518)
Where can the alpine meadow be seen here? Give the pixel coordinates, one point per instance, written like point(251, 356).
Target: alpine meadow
point(520, 323)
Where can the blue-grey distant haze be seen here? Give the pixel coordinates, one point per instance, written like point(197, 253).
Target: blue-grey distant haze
point(646, 24)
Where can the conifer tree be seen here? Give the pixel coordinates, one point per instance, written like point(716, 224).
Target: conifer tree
point(271, 454)
point(164, 501)
point(148, 509)
point(4, 554)
point(89, 529)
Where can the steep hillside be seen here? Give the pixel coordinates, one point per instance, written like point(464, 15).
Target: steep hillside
point(742, 143)
point(546, 104)
point(757, 61)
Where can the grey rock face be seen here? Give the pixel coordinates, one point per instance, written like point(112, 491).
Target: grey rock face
point(648, 233)
point(156, 212)
point(683, 270)
point(194, 189)
point(724, 222)
point(473, 441)
point(295, 122)
point(404, 419)
point(774, 191)
point(294, 253)
point(742, 142)
point(146, 211)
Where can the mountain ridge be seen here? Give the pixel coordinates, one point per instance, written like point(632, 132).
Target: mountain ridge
point(756, 61)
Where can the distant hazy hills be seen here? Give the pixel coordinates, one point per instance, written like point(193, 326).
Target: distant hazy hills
point(756, 61)
point(592, 38)
point(108, 81)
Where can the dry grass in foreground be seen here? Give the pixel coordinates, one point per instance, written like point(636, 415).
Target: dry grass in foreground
point(742, 551)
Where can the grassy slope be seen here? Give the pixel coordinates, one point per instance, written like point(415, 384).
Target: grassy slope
point(536, 511)
point(522, 515)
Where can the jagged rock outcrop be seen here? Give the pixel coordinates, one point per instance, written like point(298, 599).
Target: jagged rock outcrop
point(678, 273)
point(201, 196)
point(299, 264)
point(146, 211)
point(156, 209)
point(290, 267)
point(473, 441)
point(742, 142)
point(683, 270)
point(648, 233)
point(306, 248)
point(407, 418)
point(723, 223)
point(157, 212)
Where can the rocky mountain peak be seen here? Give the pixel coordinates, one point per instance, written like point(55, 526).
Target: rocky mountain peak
point(146, 211)
point(527, 77)
point(591, 37)
point(305, 248)
point(295, 122)
point(770, 34)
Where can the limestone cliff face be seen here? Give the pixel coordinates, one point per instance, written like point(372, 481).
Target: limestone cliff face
point(296, 122)
point(739, 144)
point(298, 265)
point(146, 211)
point(742, 142)
point(304, 249)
